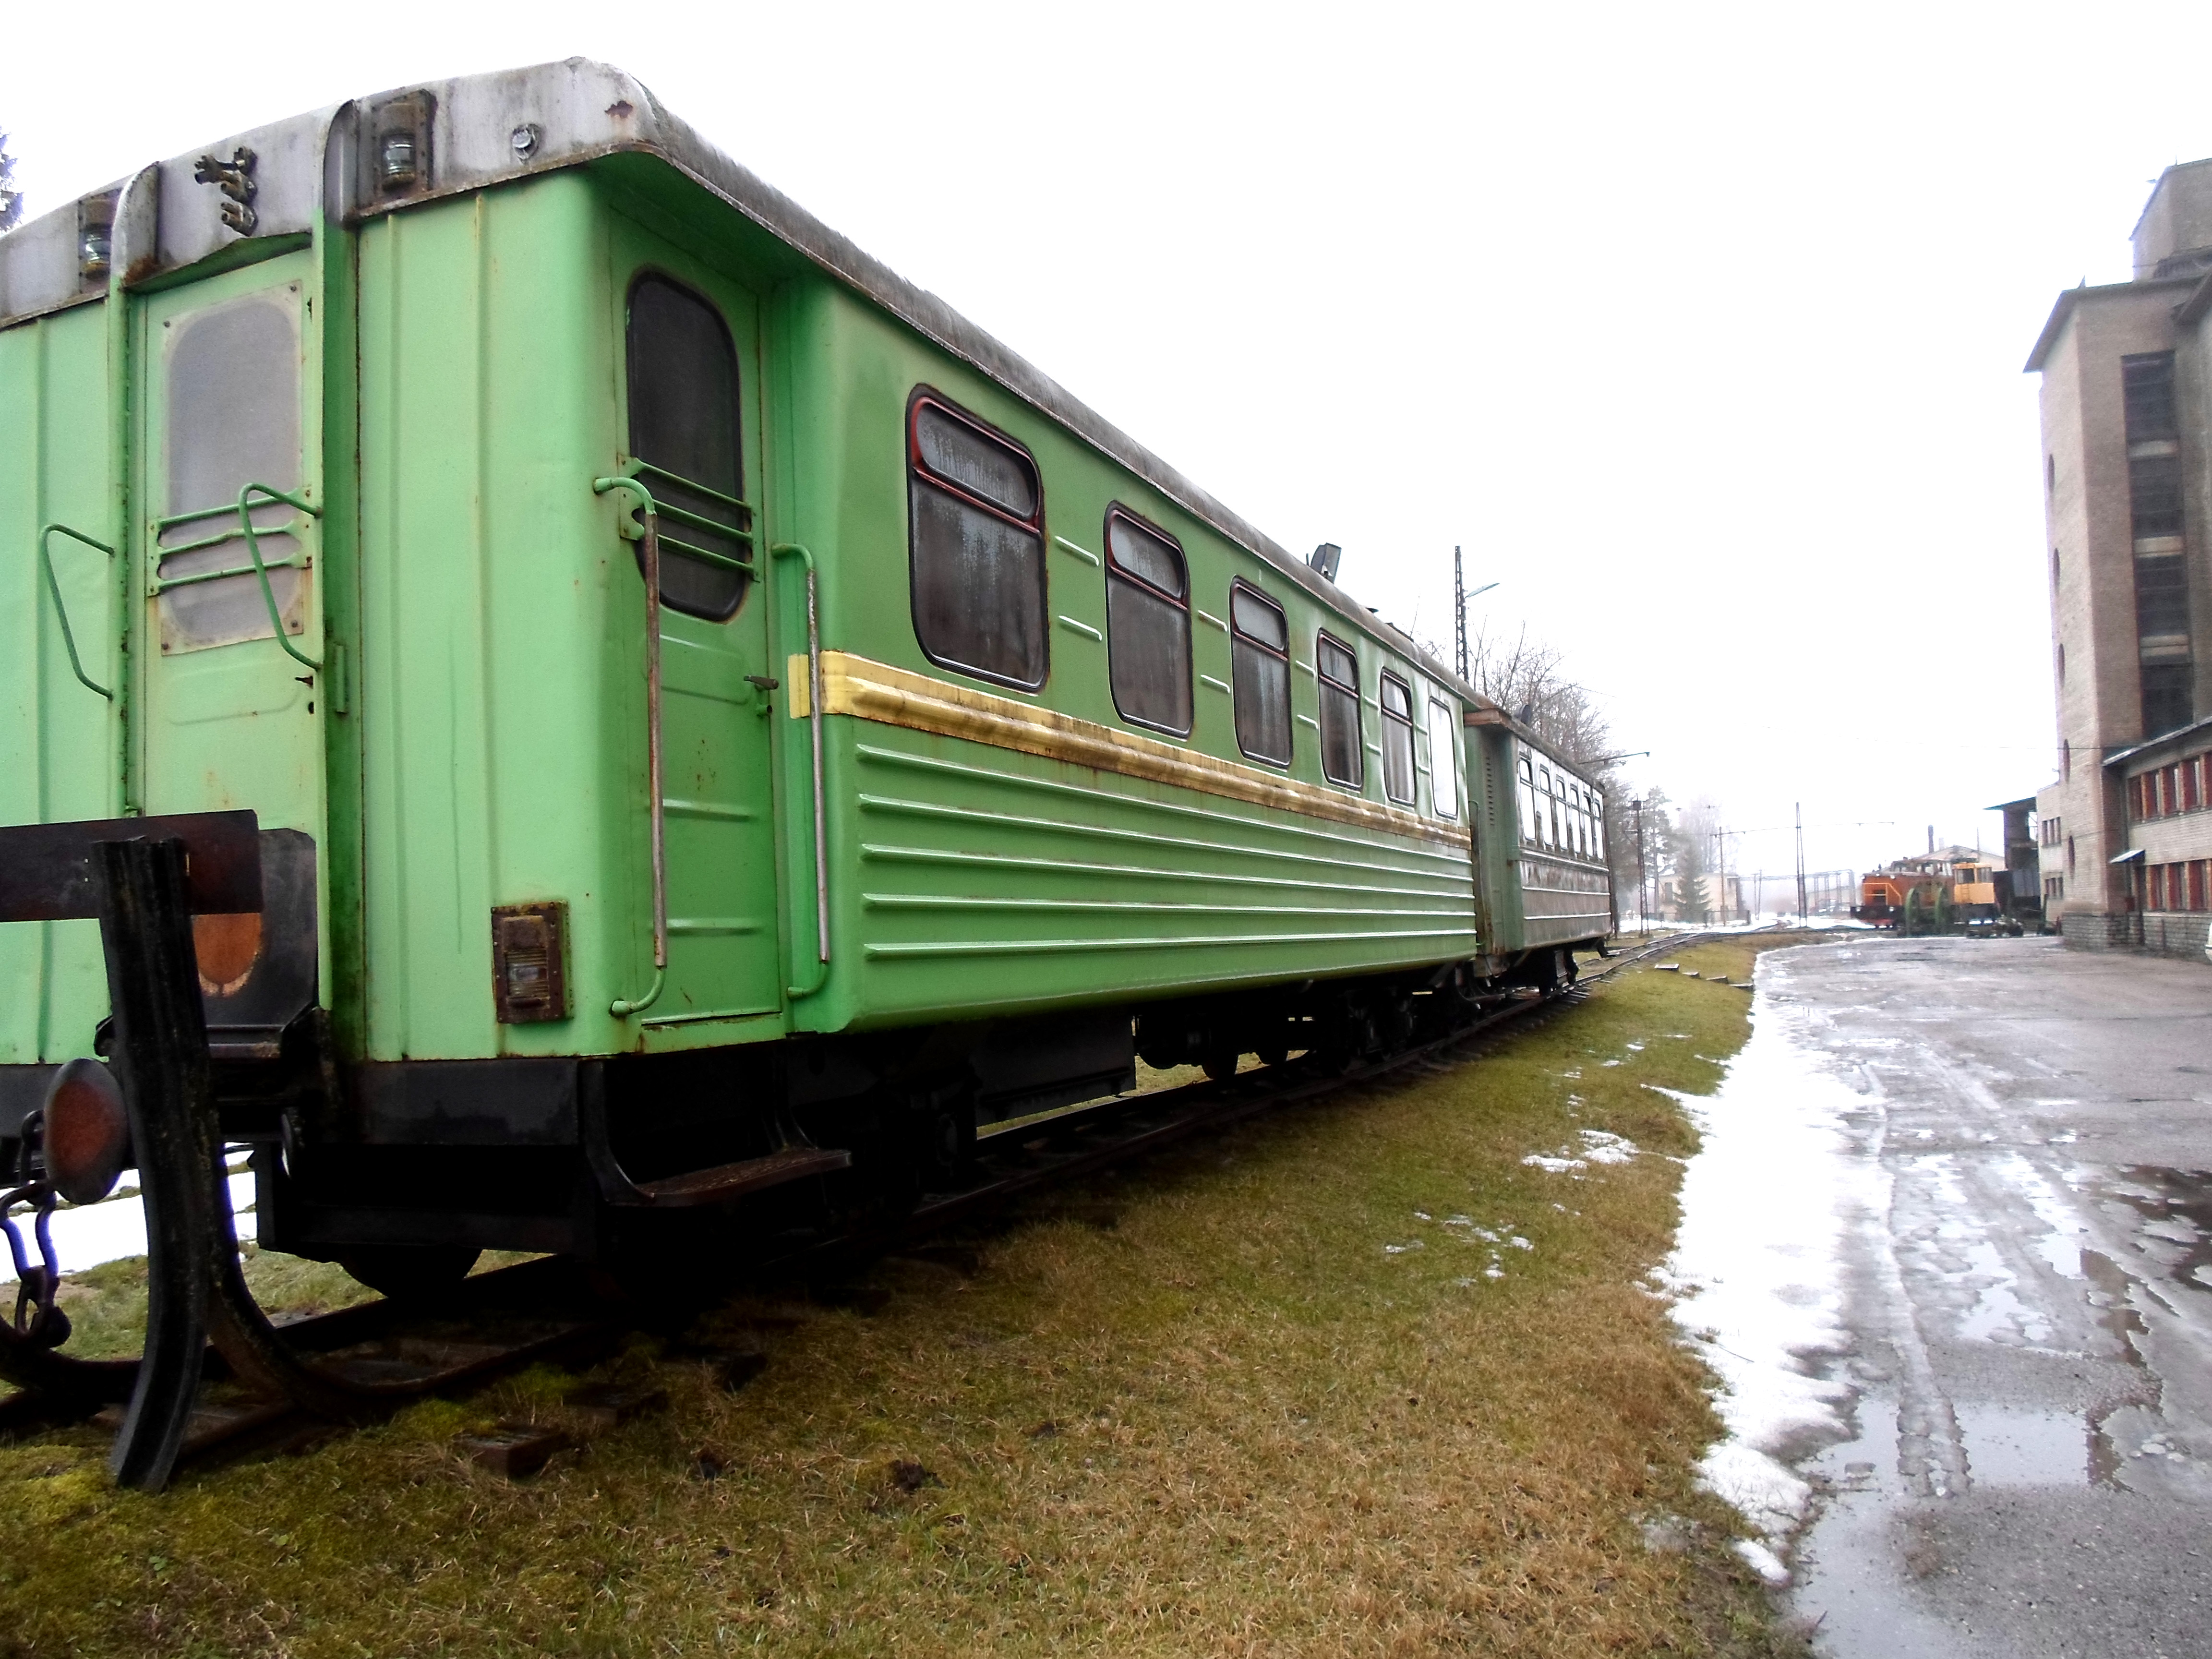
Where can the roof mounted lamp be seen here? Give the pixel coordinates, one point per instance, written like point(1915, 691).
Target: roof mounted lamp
point(1326, 558)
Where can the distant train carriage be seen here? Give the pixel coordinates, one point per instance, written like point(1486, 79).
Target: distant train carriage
point(718, 720)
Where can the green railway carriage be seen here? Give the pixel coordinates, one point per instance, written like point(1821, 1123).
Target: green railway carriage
point(962, 749)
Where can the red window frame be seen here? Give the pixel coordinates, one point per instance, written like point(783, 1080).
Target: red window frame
point(1117, 571)
point(927, 396)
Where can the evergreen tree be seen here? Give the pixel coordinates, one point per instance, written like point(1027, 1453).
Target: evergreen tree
point(11, 199)
point(1690, 876)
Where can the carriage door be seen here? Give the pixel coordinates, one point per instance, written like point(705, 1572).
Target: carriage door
point(693, 424)
point(229, 652)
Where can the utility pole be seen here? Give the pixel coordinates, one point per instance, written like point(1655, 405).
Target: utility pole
point(1459, 609)
point(1642, 914)
point(1801, 864)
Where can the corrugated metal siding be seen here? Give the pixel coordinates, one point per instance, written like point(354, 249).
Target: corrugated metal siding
point(484, 692)
point(993, 878)
point(57, 740)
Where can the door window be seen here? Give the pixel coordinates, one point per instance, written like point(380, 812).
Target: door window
point(232, 418)
point(683, 427)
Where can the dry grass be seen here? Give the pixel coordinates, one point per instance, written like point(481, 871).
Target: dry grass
point(1195, 1408)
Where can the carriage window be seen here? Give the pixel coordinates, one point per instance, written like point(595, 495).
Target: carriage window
point(232, 419)
point(1443, 764)
point(1397, 740)
point(1147, 624)
point(977, 547)
point(683, 427)
point(1526, 796)
point(1597, 826)
point(1260, 666)
point(1341, 759)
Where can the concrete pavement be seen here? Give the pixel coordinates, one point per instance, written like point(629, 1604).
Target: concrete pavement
point(2028, 1298)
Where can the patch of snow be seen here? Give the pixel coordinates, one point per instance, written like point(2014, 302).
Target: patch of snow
point(1400, 1250)
point(86, 1235)
point(1763, 1561)
point(1598, 1147)
point(1757, 1270)
point(1555, 1166)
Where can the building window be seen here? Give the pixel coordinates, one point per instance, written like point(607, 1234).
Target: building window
point(976, 547)
point(2054, 889)
point(1443, 761)
point(2066, 760)
point(2162, 596)
point(2155, 494)
point(2147, 389)
point(2051, 477)
point(1397, 740)
point(1147, 624)
point(683, 426)
point(1342, 758)
point(2167, 689)
point(1260, 666)
point(2070, 855)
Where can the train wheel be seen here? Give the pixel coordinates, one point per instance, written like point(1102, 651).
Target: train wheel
point(1274, 1053)
point(1221, 1064)
point(410, 1272)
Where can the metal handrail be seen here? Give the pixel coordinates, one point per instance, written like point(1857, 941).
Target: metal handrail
point(61, 610)
point(624, 1007)
point(686, 516)
point(780, 550)
point(257, 566)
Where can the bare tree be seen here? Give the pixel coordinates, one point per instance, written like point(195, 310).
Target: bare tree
point(11, 199)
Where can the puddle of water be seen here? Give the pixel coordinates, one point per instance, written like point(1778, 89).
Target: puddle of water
point(2175, 1208)
point(2012, 1446)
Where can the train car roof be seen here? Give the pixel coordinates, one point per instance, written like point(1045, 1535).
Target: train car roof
point(482, 130)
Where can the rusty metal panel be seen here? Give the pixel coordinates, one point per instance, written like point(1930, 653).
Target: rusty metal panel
point(529, 958)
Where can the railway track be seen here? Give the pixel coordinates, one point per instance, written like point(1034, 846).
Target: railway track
point(551, 1309)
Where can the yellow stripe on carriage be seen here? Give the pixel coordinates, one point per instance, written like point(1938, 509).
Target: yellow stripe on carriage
point(870, 690)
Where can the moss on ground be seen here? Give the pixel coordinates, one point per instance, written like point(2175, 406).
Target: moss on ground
point(1258, 1395)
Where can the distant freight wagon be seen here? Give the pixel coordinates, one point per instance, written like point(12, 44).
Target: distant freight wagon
point(722, 728)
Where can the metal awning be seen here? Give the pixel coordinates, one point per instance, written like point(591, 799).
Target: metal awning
point(2127, 856)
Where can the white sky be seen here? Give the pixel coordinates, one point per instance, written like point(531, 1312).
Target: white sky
point(1699, 327)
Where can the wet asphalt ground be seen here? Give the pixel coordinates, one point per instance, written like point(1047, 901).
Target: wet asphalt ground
point(2029, 1301)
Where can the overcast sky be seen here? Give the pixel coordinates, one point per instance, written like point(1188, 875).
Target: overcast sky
point(1700, 328)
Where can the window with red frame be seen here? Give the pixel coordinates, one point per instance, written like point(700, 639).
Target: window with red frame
point(977, 546)
point(1147, 623)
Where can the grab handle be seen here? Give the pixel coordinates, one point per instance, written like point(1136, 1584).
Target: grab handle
point(261, 570)
point(61, 610)
point(624, 1007)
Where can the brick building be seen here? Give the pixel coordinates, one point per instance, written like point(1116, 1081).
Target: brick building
point(2124, 833)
